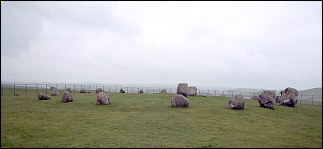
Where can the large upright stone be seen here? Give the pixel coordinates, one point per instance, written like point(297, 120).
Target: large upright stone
point(180, 101)
point(289, 97)
point(182, 89)
point(236, 103)
point(67, 97)
point(192, 91)
point(267, 99)
point(42, 96)
point(102, 99)
point(53, 91)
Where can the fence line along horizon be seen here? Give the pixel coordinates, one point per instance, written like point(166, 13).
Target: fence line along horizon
point(27, 89)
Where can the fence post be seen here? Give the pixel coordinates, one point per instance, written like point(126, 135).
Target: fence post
point(26, 89)
point(312, 99)
point(14, 89)
point(153, 91)
point(103, 88)
point(127, 90)
point(109, 89)
point(214, 92)
point(132, 90)
point(207, 93)
point(232, 94)
point(199, 92)
point(46, 89)
point(1, 89)
point(65, 87)
point(81, 87)
point(301, 100)
point(74, 88)
point(116, 88)
point(147, 90)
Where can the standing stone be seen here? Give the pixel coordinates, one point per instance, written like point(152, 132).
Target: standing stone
point(289, 97)
point(267, 99)
point(67, 97)
point(98, 90)
point(163, 91)
point(180, 101)
point(42, 96)
point(102, 99)
point(236, 103)
point(192, 91)
point(182, 89)
point(69, 90)
point(53, 91)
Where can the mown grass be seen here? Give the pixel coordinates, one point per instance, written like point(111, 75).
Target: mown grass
point(148, 121)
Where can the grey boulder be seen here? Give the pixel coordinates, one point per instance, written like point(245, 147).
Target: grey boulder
point(236, 103)
point(180, 101)
point(267, 99)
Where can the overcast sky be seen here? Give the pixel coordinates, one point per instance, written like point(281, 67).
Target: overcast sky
point(269, 45)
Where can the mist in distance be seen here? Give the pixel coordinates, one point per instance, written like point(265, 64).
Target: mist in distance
point(261, 45)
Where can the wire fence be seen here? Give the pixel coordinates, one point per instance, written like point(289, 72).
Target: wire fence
point(34, 89)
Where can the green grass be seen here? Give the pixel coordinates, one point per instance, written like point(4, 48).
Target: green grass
point(148, 120)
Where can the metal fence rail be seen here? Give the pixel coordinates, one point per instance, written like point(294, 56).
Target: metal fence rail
point(34, 89)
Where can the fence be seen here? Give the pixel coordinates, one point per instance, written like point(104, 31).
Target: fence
point(34, 89)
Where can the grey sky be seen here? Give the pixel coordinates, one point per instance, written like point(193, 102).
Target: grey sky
point(268, 45)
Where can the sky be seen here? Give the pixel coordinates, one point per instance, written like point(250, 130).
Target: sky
point(267, 45)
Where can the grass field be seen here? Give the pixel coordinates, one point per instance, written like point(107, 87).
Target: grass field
point(147, 120)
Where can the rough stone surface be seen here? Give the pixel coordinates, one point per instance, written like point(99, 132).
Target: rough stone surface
point(236, 103)
point(163, 91)
point(192, 91)
point(69, 90)
point(53, 91)
point(98, 90)
point(182, 89)
point(42, 96)
point(67, 97)
point(102, 99)
point(83, 91)
point(289, 97)
point(267, 99)
point(180, 101)
point(278, 99)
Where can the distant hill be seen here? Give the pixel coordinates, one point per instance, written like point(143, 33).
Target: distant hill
point(312, 91)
